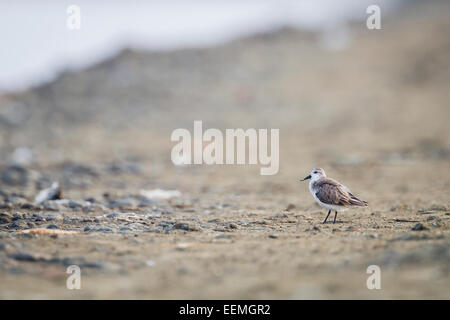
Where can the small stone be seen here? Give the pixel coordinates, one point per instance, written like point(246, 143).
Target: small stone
point(273, 236)
point(17, 216)
point(52, 226)
point(27, 206)
point(186, 226)
point(23, 256)
point(436, 224)
point(112, 215)
point(90, 199)
point(419, 227)
point(5, 217)
point(18, 224)
point(291, 207)
point(38, 217)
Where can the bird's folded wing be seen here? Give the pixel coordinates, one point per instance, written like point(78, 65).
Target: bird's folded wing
point(332, 192)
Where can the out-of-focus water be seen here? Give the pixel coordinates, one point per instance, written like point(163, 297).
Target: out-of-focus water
point(36, 43)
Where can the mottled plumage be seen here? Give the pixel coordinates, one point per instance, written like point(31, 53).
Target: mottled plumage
point(330, 194)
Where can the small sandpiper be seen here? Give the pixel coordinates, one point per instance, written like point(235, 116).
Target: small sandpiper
point(330, 194)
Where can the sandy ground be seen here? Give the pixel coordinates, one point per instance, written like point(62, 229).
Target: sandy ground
point(374, 115)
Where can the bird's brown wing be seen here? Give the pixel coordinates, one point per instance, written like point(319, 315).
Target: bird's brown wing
point(333, 193)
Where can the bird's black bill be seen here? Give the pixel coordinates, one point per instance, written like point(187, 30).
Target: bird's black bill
point(306, 178)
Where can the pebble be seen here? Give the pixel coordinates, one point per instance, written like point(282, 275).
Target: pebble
point(18, 224)
point(419, 227)
point(291, 207)
point(273, 236)
point(5, 217)
point(186, 226)
point(23, 256)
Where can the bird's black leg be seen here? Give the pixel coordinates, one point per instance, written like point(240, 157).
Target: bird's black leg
point(329, 211)
point(335, 215)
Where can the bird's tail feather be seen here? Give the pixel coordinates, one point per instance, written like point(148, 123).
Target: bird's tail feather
point(357, 202)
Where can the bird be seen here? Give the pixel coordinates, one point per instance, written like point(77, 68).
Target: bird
point(331, 194)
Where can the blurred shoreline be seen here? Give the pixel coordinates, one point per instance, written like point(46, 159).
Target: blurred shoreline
point(41, 47)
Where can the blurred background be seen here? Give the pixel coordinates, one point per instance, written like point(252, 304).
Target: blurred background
point(94, 108)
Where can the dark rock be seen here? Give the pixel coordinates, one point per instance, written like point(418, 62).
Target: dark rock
point(5, 217)
point(112, 215)
point(18, 224)
point(52, 226)
point(27, 206)
point(23, 256)
point(38, 217)
point(18, 215)
point(186, 226)
point(436, 224)
point(90, 199)
point(419, 227)
point(273, 236)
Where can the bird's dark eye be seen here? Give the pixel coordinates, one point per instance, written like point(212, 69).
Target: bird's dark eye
point(315, 172)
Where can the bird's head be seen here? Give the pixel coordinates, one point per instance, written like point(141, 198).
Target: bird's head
point(315, 174)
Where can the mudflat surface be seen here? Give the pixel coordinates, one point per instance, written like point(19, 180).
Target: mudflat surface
point(374, 115)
